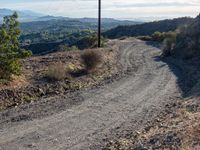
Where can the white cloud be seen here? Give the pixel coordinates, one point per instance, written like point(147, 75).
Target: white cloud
point(111, 8)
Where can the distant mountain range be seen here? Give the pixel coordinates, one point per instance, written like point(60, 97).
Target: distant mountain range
point(24, 16)
point(30, 16)
point(148, 28)
point(53, 24)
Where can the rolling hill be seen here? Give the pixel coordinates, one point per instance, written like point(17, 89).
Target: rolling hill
point(52, 24)
point(41, 33)
point(147, 28)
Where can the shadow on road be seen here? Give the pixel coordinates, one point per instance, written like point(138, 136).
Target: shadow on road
point(186, 71)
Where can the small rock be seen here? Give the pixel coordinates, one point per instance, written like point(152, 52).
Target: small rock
point(31, 145)
point(137, 132)
point(28, 67)
point(138, 146)
point(41, 91)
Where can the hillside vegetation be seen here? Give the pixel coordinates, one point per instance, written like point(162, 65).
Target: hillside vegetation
point(147, 28)
point(178, 126)
point(24, 80)
point(70, 24)
point(188, 40)
point(46, 36)
point(10, 50)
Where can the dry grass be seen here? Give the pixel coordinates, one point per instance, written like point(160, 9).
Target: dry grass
point(91, 59)
point(16, 82)
point(183, 124)
point(56, 72)
point(39, 68)
point(177, 130)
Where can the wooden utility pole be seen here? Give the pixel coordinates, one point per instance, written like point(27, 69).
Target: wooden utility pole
point(99, 24)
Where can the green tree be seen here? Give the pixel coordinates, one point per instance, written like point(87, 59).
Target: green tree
point(10, 51)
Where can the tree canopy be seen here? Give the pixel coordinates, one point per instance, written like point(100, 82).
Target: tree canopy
point(10, 51)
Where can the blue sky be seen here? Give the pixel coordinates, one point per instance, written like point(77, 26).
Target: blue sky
point(126, 9)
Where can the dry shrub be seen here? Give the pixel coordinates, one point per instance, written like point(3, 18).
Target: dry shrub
point(91, 59)
point(1, 73)
point(167, 47)
point(56, 72)
point(145, 38)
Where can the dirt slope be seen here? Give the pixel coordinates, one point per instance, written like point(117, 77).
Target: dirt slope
point(141, 93)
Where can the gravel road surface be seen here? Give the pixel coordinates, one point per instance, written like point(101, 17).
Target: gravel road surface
point(140, 93)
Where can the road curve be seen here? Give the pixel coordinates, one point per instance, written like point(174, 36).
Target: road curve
point(148, 85)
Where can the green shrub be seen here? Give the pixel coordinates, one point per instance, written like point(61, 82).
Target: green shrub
point(188, 40)
point(74, 48)
point(171, 35)
point(91, 59)
point(168, 39)
point(158, 36)
point(10, 51)
point(90, 41)
point(65, 47)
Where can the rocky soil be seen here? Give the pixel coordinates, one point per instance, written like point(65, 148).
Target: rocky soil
point(33, 85)
point(176, 128)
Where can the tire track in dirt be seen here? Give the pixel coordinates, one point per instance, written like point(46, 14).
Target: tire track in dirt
point(147, 86)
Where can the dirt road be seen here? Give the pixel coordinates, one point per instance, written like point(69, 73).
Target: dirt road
point(136, 97)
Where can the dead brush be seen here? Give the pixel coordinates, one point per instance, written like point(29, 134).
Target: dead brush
point(56, 72)
point(91, 59)
point(167, 47)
